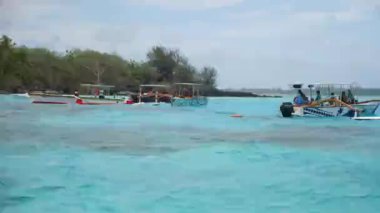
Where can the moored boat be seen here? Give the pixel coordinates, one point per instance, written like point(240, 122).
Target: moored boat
point(152, 93)
point(100, 93)
point(50, 97)
point(188, 94)
point(95, 94)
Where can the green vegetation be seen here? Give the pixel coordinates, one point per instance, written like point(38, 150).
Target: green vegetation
point(23, 68)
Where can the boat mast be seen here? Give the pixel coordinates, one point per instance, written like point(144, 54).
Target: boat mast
point(98, 72)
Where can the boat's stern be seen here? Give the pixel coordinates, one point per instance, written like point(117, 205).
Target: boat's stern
point(287, 109)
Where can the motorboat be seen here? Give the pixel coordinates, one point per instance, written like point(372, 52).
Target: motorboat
point(99, 93)
point(346, 104)
point(89, 93)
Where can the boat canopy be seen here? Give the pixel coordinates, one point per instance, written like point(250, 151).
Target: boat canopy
point(182, 89)
point(328, 89)
point(99, 86)
point(126, 93)
point(188, 84)
point(336, 86)
point(155, 85)
point(297, 86)
point(327, 85)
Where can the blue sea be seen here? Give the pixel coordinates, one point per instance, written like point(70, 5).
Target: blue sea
point(123, 158)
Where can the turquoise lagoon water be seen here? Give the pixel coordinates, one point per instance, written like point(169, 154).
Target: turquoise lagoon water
point(161, 159)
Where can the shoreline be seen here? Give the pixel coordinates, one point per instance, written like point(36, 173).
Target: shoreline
point(215, 93)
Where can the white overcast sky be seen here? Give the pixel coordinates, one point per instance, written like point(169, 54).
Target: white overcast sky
point(252, 43)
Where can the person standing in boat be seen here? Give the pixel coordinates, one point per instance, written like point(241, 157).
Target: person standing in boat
point(301, 98)
point(332, 101)
point(319, 97)
point(351, 98)
point(344, 97)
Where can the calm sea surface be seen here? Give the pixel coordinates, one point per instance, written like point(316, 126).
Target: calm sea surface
point(161, 159)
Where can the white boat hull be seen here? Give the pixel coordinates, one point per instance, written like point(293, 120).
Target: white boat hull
point(52, 99)
point(325, 111)
point(70, 99)
point(22, 95)
point(366, 118)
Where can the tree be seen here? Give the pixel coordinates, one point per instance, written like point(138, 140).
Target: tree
point(144, 74)
point(12, 65)
point(6, 55)
point(184, 73)
point(163, 60)
point(167, 62)
point(41, 69)
point(208, 76)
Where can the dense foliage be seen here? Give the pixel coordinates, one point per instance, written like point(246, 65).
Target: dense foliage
point(23, 68)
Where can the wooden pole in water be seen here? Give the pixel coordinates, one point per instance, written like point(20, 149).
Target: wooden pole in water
point(332, 100)
point(140, 95)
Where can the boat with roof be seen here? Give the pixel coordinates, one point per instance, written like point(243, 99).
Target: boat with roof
point(91, 94)
point(49, 97)
point(188, 94)
point(98, 94)
point(328, 100)
point(152, 93)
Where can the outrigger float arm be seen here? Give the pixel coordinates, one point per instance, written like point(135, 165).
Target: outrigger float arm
point(373, 100)
point(314, 104)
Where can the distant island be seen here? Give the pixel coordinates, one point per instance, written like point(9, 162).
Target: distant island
point(240, 93)
point(23, 68)
point(40, 69)
point(362, 91)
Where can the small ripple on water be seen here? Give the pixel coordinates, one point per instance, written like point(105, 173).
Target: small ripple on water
point(17, 200)
point(47, 189)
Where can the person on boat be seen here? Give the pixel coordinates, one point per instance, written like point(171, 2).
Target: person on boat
point(150, 93)
point(186, 93)
point(351, 98)
point(332, 99)
point(304, 97)
point(101, 94)
point(344, 97)
point(319, 97)
point(76, 93)
point(301, 98)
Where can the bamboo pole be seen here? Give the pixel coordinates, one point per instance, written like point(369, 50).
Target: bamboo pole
point(314, 104)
